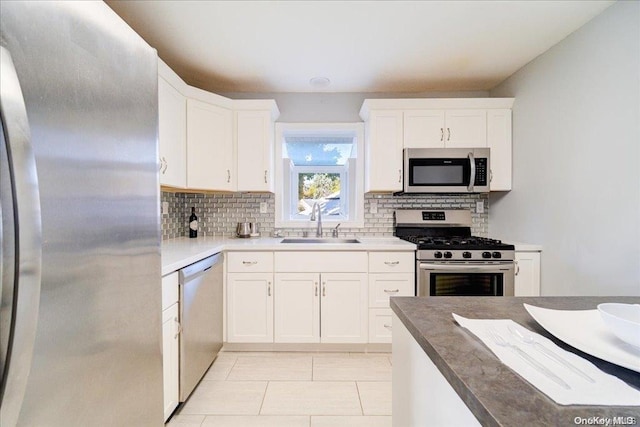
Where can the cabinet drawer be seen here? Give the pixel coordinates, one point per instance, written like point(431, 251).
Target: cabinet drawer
point(320, 262)
point(380, 325)
point(382, 286)
point(169, 290)
point(250, 262)
point(391, 262)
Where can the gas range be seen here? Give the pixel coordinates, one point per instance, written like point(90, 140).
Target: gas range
point(450, 261)
point(446, 235)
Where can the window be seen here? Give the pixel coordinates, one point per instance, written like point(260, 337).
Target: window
point(318, 164)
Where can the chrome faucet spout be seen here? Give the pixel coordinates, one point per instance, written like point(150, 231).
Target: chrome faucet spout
point(313, 218)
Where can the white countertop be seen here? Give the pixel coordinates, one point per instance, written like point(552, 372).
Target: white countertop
point(180, 252)
point(524, 247)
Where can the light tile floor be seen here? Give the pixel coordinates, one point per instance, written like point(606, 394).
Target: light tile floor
point(284, 389)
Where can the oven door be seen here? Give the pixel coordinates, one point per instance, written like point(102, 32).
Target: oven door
point(465, 279)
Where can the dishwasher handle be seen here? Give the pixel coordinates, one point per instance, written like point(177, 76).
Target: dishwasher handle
point(196, 269)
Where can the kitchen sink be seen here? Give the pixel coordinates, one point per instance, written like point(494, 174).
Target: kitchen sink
point(312, 240)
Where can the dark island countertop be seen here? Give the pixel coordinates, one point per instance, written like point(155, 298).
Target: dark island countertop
point(495, 394)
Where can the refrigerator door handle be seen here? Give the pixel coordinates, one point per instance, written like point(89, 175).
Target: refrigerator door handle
point(28, 242)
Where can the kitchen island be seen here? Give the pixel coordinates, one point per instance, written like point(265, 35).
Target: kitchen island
point(469, 380)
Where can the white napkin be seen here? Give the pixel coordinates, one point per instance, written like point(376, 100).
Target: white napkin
point(606, 390)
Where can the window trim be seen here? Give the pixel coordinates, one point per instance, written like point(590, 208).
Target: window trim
point(356, 183)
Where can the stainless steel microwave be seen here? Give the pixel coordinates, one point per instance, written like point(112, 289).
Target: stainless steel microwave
point(446, 170)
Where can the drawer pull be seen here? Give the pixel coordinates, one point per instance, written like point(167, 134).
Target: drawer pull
point(387, 326)
point(392, 291)
point(249, 262)
point(316, 283)
point(392, 262)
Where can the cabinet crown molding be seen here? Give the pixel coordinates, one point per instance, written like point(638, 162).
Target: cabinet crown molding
point(433, 104)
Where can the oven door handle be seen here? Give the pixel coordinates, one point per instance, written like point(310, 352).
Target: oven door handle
point(466, 268)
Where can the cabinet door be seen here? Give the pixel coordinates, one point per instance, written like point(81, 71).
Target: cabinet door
point(499, 141)
point(383, 151)
point(343, 308)
point(172, 135)
point(424, 129)
point(170, 361)
point(254, 141)
point(209, 147)
point(250, 307)
point(466, 128)
point(527, 279)
point(297, 307)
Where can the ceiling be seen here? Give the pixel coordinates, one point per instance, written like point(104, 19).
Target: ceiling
point(360, 46)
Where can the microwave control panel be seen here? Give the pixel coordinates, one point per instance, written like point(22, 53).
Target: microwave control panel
point(481, 171)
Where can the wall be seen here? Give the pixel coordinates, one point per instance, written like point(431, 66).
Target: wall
point(576, 170)
point(335, 107)
point(218, 214)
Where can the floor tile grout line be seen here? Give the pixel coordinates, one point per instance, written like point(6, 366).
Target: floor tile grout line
point(263, 398)
point(359, 398)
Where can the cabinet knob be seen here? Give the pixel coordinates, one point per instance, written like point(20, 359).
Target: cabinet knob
point(228, 175)
point(399, 175)
point(517, 267)
point(268, 289)
point(265, 176)
point(441, 134)
point(249, 262)
point(324, 289)
point(448, 134)
point(166, 165)
point(316, 283)
point(392, 262)
point(392, 291)
point(387, 326)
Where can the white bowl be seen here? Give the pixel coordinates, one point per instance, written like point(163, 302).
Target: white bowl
point(623, 320)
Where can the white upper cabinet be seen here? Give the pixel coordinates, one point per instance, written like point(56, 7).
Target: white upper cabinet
point(383, 151)
point(254, 136)
point(210, 155)
point(499, 140)
point(394, 124)
point(440, 128)
point(465, 128)
point(172, 128)
point(424, 129)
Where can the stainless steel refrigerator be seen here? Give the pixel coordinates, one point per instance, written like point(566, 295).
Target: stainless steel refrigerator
point(80, 337)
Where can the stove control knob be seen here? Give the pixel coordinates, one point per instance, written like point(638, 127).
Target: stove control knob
point(466, 254)
point(486, 254)
point(497, 255)
point(448, 254)
point(437, 254)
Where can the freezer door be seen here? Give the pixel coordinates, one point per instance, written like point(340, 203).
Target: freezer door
point(90, 88)
point(20, 244)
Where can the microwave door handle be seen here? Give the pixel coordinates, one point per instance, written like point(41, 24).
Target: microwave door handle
point(472, 177)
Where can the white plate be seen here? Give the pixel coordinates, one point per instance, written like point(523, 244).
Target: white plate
point(586, 331)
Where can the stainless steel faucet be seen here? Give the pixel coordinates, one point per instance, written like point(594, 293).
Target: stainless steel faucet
point(313, 218)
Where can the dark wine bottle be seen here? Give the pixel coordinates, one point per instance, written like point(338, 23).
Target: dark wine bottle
point(193, 223)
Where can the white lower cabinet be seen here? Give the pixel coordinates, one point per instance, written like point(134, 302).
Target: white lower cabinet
point(527, 275)
point(391, 274)
point(170, 343)
point(380, 325)
point(321, 307)
point(297, 307)
point(170, 358)
point(250, 307)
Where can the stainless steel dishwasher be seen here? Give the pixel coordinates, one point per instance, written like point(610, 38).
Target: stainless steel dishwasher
point(200, 319)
